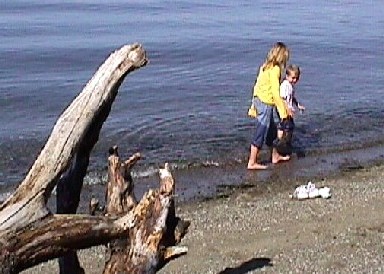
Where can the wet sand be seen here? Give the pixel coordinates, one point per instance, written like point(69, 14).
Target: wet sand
point(255, 227)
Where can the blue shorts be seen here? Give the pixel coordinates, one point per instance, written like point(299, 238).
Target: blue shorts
point(265, 128)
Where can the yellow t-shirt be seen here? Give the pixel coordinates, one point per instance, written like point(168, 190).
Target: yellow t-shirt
point(267, 89)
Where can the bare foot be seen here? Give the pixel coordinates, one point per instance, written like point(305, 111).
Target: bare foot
point(256, 166)
point(280, 158)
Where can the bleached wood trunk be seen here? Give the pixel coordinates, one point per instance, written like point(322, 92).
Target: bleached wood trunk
point(29, 232)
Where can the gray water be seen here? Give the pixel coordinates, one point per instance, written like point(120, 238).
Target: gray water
point(188, 105)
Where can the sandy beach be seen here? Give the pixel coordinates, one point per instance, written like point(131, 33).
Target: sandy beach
point(249, 232)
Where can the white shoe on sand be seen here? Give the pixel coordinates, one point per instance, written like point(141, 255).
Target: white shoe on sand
point(310, 191)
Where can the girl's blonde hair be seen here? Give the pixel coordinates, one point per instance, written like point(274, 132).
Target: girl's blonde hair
point(278, 55)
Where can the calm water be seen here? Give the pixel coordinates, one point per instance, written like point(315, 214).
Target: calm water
point(188, 106)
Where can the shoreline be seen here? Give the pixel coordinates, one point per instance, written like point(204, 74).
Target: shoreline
point(207, 182)
point(194, 185)
point(261, 229)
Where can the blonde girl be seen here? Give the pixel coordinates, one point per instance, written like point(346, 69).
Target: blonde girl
point(266, 96)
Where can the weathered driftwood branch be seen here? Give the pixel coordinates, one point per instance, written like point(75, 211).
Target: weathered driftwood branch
point(53, 236)
point(150, 242)
point(64, 158)
point(119, 195)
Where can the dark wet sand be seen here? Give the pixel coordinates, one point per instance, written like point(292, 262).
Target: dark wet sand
point(204, 183)
point(196, 184)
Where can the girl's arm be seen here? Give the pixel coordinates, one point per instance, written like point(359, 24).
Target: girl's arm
point(275, 85)
point(297, 104)
point(294, 101)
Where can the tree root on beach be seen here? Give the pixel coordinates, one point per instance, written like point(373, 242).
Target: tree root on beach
point(31, 234)
point(153, 237)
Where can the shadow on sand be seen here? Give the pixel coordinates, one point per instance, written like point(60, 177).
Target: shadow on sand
point(248, 266)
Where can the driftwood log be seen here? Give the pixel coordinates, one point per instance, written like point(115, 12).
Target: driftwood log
point(29, 232)
point(152, 240)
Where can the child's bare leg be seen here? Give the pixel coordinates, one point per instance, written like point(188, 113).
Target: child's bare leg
point(280, 134)
point(252, 162)
point(276, 157)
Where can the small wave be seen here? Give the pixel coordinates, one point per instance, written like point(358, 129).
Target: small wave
point(101, 177)
point(150, 171)
point(96, 178)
